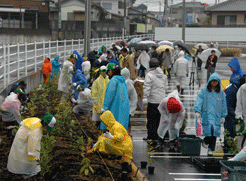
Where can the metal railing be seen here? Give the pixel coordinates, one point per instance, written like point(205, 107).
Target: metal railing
point(20, 60)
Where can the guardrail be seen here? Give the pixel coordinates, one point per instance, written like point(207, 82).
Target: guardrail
point(20, 60)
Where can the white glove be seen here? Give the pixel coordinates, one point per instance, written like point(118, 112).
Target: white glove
point(95, 101)
point(239, 117)
point(75, 84)
point(102, 111)
point(108, 135)
point(198, 115)
point(145, 101)
point(73, 100)
point(222, 120)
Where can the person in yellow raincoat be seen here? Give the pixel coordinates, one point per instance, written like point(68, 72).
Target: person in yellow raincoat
point(24, 152)
point(116, 141)
point(98, 93)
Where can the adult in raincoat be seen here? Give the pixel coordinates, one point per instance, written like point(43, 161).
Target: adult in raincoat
point(65, 77)
point(84, 104)
point(116, 98)
point(56, 66)
point(132, 95)
point(116, 141)
point(167, 62)
point(143, 63)
point(154, 89)
point(241, 104)
point(211, 64)
point(46, 69)
point(236, 70)
point(86, 66)
point(79, 60)
point(211, 106)
point(25, 150)
point(181, 71)
point(231, 99)
point(98, 93)
point(78, 79)
point(199, 61)
point(172, 115)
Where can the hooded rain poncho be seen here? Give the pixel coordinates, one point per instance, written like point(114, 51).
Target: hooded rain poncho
point(132, 94)
point(212, 106)
point(234, 63)
point(79, 61)
point(86, 66)
point(56, 65)
point(120, 144)
point(171, 122)
point(144, 60)
point(241, 102)
point(116, 100)
point(65, 77)
point(79, 79)
point(98, 92)
point(25, 148)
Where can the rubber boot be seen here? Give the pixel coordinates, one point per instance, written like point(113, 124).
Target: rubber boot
point(182, 91)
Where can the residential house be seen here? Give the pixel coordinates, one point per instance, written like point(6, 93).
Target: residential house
point(28, 14)
point(228, 13)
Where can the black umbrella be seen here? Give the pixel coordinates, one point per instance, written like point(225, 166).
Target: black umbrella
point(142, 47)
point(148, 38)
point(130, 39)
point(183, 46)
point(132, 45)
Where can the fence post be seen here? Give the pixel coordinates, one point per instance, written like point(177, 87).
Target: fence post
point(18, 61)
point(79, 46)
point(35, 55)
point(25, 58)
point(49, 48)
point(4, 63)
point(65, 49)
point(72, 46)
point(57, 47)
point(43, 50)
point(8, 64)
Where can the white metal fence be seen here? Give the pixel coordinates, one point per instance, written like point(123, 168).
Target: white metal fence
point(20, 60)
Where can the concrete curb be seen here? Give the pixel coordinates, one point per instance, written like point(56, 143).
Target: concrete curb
point(140, 175)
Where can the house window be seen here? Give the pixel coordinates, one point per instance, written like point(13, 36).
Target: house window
point(226, 20)
point(120, 5)
point(107, 6)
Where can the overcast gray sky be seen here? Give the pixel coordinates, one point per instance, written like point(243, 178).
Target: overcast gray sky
point(153, 5)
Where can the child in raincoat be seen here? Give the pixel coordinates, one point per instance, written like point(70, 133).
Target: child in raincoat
point(46, 69)
point(172, 115)
point(98, 93)
point(84, 104)
point(132, 95)
point(116, 141)
point(79, 60)
point(237, 70)
point(66, 77)
point(211, 106)
point(56, 66)
point(78, 79)
point(25, 150)
point(86, 66)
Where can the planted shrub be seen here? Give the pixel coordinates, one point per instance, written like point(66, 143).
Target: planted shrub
point(231, 51)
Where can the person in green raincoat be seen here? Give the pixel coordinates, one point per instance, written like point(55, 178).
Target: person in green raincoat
point(98, 93)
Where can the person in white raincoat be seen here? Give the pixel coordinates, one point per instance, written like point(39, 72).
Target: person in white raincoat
point(25, 150)
point(143, 63)
point(86, 66)
point(181, 71)
point(65, 77)
point(132, 95)
point(84, 104)
point(172, 115)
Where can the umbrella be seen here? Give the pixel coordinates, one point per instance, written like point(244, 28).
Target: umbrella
point(129, 39)
point(149, 43)
point(204, 46)
point(118, 47)
point(204, 55)
point(166, 43)
point(132, 45)
point(135, 40)
point(178, 42)
point(121, 43)
point(183, 46)
point(142, 47)
point(148, 38)
point(162, 48)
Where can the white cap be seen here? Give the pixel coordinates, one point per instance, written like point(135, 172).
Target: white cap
point(103, 68)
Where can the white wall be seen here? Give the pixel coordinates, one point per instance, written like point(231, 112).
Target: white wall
point(201, 34)
point(71, 9)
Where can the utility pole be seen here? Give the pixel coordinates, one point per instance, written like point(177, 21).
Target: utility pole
point(87, 27)
point(183, 22)
point(171, 9)
point(165, 13)
point(124, 18)
point(159, 6)
point(20, 15)
point(59, 20)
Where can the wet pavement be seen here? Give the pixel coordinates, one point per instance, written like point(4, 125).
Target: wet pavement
point(171, 165)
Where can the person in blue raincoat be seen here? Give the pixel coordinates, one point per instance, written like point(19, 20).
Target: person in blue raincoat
point(211, 106)
point(78, 79)
point(112, 60)
point(236, 70)
point(116, 97)
point(79, 61)
point(231, 99)
point(56, 66)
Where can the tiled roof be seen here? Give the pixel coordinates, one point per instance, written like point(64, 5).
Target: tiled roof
point(230, 5)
